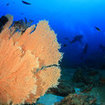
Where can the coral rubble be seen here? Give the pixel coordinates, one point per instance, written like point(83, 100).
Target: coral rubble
point(74, 99)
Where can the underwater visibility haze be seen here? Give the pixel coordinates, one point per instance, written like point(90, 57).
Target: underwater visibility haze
point(67, 18)
point(70, 40)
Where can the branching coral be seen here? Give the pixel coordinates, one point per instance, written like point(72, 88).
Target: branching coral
point(20, 25)
point(29, 63)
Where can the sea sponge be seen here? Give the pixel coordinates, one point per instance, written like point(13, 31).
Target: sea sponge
point(29, 63)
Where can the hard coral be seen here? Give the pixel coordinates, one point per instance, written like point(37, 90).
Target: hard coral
point(28, 63)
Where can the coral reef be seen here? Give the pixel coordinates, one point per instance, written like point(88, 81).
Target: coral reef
point(74, 99)
point(80, 82)
point(29, 63)
point(86, 79)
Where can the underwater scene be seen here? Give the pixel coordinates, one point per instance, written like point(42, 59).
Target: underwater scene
point(52, 52)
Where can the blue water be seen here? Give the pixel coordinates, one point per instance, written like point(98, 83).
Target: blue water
point(67, 18)
point(49, 99)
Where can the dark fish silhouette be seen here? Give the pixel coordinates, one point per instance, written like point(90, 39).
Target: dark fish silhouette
point(27, 3)
point(85, 49)
point(77, 38)
point(102, 47)
point(64, 45)
point(7, 4)
point(98, 29)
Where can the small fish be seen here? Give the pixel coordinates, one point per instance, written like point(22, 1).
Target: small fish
point(64, 45)
point(7, 4)
point(102, 47)
point(77, 38)
point(98, 29)
point(85, 48)
point(27, 3)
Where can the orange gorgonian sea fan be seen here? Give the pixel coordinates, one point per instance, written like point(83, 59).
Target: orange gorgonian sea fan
point(28, 63)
